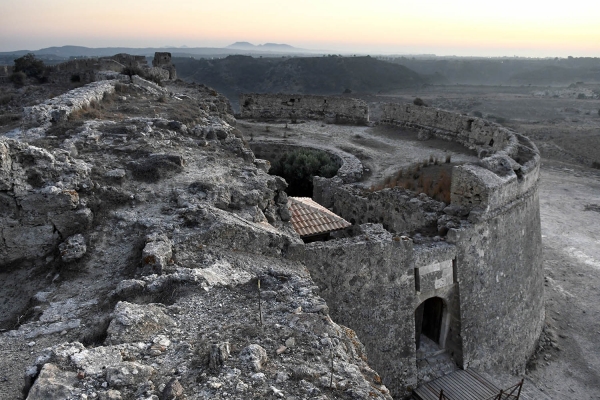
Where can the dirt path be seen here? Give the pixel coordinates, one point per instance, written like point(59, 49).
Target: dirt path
point(571, 236)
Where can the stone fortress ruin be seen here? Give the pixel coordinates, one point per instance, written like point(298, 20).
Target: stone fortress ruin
point(150, 235)
point(466, 275)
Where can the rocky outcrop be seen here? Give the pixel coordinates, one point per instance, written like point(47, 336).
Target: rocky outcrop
point(144, 239)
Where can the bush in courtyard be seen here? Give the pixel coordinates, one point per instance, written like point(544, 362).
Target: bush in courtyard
point(300, 166)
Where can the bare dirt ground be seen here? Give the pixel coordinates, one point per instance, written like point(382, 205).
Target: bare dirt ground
point(567, 131)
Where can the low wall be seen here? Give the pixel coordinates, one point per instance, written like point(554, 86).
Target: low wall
point(340, 110)
point(398, 210)
point(59, 108)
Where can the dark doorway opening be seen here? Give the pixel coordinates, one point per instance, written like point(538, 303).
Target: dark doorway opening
point(428, 320)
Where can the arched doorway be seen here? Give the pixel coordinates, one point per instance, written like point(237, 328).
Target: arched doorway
point(429, 318)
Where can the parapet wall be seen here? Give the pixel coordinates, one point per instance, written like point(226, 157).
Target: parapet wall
point(509, 162)
point(339, 110)
point(398, 210)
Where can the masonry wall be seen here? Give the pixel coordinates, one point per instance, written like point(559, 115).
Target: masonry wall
point(369, 284)
point(340, 110)
point(374, 296)
point(474, 133)
point(398, 210)
point(500, 274)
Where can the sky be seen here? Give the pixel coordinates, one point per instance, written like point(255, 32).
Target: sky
point(461, 27)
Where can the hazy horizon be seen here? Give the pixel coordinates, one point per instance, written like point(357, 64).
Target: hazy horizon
point(462, 28)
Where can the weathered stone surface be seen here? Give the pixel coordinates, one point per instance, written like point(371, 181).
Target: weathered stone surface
point(73, 248)
point(52, 383)
point(157, 253)
point(254, 355)
point(132, 322)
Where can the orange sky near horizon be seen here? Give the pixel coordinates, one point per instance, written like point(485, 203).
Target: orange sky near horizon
point(463, 27)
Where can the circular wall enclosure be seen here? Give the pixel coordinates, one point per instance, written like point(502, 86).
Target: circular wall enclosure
point(487, 264)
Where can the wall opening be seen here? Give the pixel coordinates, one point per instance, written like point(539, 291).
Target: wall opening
point(429, 321)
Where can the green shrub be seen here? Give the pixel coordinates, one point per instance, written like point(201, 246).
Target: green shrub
point(478, 114)
point(581, 96)
point(419, 102)
point(300, 166)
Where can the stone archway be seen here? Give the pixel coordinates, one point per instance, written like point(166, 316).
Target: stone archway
point(430, 316)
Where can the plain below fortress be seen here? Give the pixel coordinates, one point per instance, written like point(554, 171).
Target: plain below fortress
point(339, 110)
point(467, 275)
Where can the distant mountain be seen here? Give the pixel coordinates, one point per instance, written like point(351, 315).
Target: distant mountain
point(265, 47)
point(241, 45)
point(308, 75)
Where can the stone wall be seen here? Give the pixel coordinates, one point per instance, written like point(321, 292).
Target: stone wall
point(59, 108)
point(367, 291)
point(339, 110)
point(487, 270)
point(500, 275)
point(397, 209)
point(369, 284)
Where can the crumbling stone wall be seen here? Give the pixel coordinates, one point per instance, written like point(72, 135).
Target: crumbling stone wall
point(86, 69)
point(162, 65)
point(398, 210)
point(339, 110)
point(366, 290)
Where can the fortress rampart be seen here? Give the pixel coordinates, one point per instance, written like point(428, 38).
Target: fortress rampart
point(339, 110)
point(479, 256)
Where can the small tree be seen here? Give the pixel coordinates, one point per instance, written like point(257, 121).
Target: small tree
point(30, 66)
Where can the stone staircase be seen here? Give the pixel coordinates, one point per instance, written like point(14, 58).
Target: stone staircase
point(432, 363)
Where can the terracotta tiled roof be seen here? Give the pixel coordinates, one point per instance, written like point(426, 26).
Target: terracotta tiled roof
point(310, 218)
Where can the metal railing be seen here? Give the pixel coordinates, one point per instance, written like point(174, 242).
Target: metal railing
point(506, 394)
